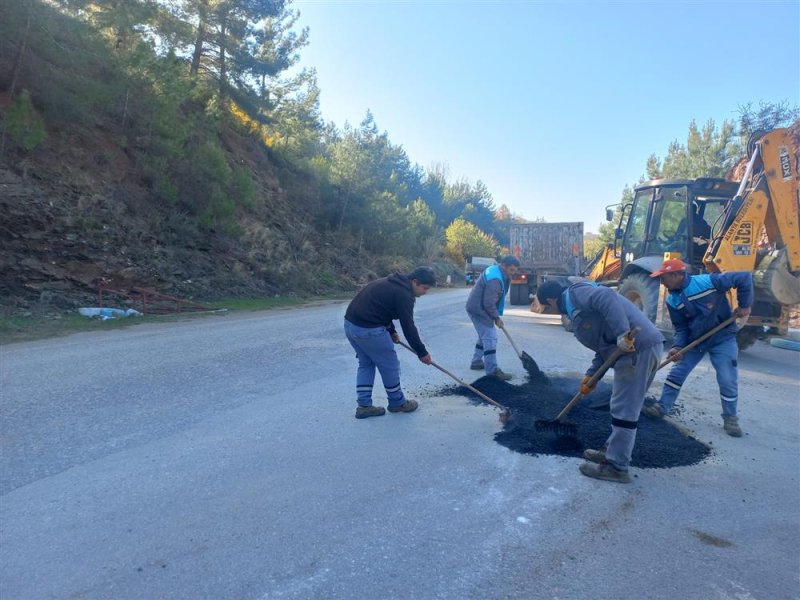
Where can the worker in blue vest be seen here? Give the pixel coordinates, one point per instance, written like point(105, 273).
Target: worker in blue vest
point(601, 321)
point(485, 308)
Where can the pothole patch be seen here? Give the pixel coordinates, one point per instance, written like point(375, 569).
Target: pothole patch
point(658, 444)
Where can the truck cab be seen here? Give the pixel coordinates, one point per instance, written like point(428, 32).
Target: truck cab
point(474, 266)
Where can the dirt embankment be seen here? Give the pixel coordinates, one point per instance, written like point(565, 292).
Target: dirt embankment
point(73, 221)
point(61, 240)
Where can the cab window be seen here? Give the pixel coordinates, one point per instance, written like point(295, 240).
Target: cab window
point(668, 230)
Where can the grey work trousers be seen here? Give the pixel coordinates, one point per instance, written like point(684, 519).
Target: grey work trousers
point(486, 347)
point(633, 374)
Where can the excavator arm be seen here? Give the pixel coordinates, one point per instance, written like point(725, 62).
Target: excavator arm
point(760, 229)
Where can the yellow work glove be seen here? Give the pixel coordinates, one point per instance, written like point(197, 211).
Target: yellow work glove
point(585, 387)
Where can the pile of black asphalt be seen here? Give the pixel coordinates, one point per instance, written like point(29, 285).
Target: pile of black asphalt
point(658, 444)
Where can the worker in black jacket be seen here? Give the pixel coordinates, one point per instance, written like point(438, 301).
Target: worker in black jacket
point(369, 327)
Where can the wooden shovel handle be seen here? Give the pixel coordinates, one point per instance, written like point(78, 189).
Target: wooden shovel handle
point(597, 376)
point(465, 384)
point(699, 340)
point(513, 345)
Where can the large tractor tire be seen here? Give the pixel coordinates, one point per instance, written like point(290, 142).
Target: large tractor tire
point(642, 290)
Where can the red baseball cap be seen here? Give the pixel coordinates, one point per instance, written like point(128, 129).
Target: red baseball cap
point(672, 265)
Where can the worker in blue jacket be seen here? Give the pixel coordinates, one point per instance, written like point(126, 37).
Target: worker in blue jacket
point(697, 304)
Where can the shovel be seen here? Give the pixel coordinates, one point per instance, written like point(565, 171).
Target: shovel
point(505, 414)
point(688, 347)
point(699, 340)
point(527, 360)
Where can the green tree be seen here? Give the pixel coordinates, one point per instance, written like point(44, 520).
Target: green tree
point(465, 239)
point(120, 21)
point(275, 46)
point(470, 202)
point(294, 124)
point(369, 196)
point(766, 117)
point(707, 153)
point(420, 238)
point(222, 49)
point(432, 192)
point(591, 246)
point(24, 126)
point(712, 151)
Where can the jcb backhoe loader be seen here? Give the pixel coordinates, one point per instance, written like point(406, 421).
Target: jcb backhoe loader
point(716, 225)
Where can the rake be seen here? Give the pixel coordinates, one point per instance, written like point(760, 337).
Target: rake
point(505, 413)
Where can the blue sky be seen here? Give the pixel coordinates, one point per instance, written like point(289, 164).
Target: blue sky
point(555, 106)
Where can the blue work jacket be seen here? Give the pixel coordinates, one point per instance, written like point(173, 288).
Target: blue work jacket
point(701, 304)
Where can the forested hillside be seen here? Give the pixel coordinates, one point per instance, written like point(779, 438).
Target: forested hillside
point(178, 145)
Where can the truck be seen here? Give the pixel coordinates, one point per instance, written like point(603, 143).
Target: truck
point(474, 266)
point(716, 226)
point(545, 251)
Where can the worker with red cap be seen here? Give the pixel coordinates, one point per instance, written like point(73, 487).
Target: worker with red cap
point(697, 304)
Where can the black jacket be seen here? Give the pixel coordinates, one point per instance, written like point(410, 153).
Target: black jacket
point(383, 300)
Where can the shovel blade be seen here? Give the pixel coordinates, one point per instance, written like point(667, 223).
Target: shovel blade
point(530, 366)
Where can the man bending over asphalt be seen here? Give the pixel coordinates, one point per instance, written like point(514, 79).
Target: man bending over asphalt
point(599, 314)
point(369, 329)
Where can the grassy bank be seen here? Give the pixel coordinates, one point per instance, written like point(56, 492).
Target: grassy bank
point(35, 327)
point(41, 326)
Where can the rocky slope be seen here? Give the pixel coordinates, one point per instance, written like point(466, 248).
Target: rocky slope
point(71, 222)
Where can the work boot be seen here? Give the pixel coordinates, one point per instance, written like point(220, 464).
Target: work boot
point(605, 472)
point(653, 410)
point(407, 406)
point(595, 456)
point(362, 412)
point(477, 366)
point(500, 374)
point(731, 426)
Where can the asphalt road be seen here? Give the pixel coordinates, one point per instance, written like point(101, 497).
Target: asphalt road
point(219, 458)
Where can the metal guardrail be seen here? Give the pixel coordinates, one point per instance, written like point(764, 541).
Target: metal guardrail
point(148, 301)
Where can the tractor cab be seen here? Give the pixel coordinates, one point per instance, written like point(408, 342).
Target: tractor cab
point(676, 216)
